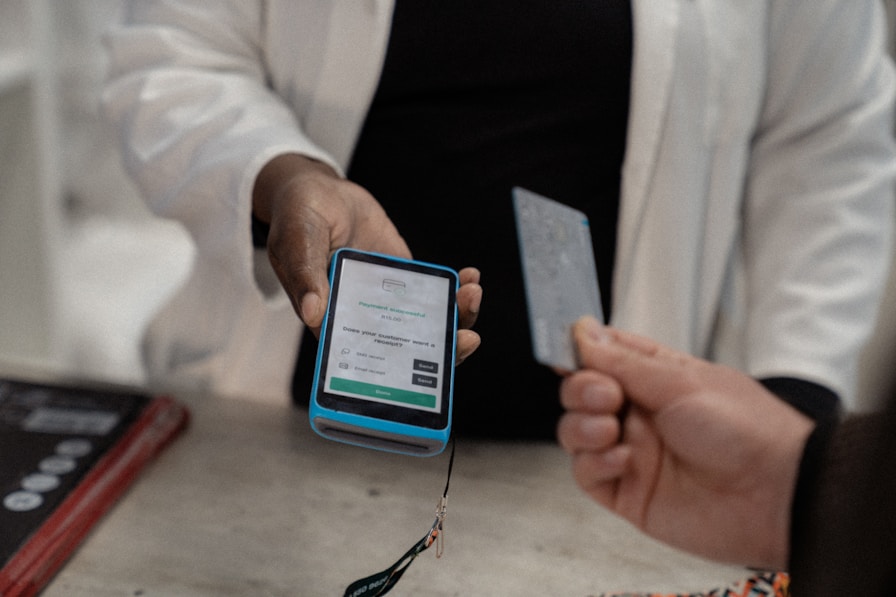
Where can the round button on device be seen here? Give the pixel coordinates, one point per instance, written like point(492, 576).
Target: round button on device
point(57, 465)
point(40, 482)
point(75, 448)
point(22, 501)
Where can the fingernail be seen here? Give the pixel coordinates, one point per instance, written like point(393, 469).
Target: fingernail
point(594, 330)
point(477, 303)
point(310, 306)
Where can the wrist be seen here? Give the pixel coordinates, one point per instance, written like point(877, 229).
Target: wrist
point(280, 173)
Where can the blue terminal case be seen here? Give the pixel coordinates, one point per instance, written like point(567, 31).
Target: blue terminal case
point(386, 425)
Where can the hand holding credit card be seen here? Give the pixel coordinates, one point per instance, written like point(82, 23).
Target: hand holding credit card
point(559, 274)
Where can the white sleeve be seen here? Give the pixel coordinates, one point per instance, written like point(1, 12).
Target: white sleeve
point(196, 119)
point(818, 217)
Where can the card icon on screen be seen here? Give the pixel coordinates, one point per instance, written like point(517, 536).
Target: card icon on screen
point(394, 286)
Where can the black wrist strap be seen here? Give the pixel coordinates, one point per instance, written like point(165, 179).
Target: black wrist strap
point(382, 582)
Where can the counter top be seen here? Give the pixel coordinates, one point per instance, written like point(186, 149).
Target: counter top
point(250, 501)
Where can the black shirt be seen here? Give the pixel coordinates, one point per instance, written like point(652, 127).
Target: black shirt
point(477, 97)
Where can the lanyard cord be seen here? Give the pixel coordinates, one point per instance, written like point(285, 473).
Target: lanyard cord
point(450, 466)
point(381, 583)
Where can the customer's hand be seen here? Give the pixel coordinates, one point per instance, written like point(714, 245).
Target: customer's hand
point(312, 212)
point(695, 454)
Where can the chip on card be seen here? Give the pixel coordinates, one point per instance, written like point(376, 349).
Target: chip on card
point(558, 272)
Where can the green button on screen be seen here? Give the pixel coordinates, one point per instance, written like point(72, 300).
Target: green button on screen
point(382, 392)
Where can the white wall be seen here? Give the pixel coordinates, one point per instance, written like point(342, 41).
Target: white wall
point(82, 263)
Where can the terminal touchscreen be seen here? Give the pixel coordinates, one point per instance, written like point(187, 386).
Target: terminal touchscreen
point(385, 364)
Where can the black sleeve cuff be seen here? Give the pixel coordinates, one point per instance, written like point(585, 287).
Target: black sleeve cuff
point(811, 399)
point(842, 524)
point(804, 495)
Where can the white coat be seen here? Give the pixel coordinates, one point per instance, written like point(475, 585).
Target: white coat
point(756, 206)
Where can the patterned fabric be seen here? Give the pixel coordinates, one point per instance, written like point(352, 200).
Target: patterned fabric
point(765, 584)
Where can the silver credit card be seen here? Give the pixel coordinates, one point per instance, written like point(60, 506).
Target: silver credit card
point(558, 272)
